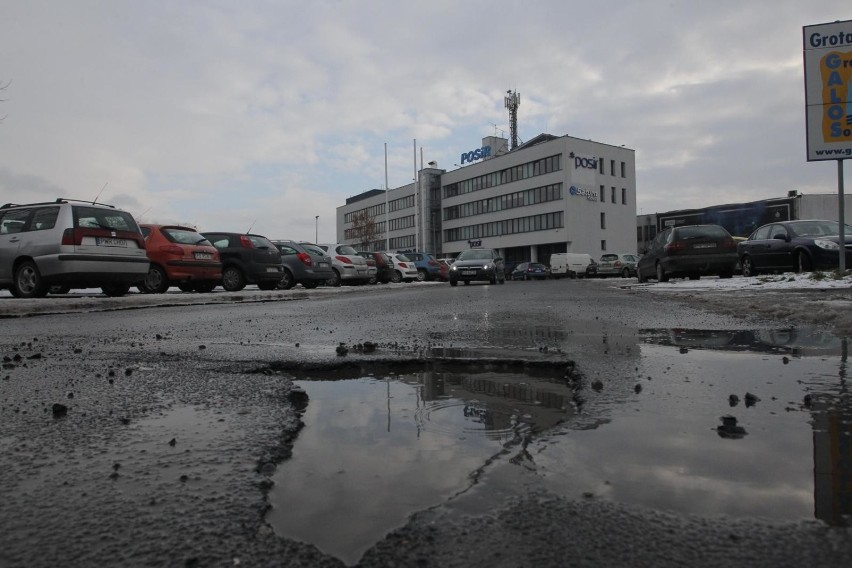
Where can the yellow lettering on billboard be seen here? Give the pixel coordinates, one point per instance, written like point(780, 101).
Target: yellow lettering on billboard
point(836, 73)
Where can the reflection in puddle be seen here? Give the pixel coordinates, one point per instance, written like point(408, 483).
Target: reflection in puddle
point(731, 423)
point(373, 451)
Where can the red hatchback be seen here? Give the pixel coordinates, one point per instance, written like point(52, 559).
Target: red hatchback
point(179, 256)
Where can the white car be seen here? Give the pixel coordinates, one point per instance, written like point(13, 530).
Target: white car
point(348, 265)
point(403, 269)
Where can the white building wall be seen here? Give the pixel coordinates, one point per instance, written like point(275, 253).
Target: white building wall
point(824, 206)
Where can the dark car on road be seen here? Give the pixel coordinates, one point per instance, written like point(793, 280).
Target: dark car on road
point(247, 259)
point(530, 271)
point(800, 246)
point(689, 251)
point(302, 265)
point(478, 264)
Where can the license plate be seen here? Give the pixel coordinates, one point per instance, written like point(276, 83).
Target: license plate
point(322, 264)
point(272, 269)
point(468, 272)
point(110, 242)
point(203, 256)
point(705, 246)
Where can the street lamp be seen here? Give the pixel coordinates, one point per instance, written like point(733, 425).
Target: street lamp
point(316, 229)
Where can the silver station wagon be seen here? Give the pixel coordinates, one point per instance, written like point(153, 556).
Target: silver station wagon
point(66, 244)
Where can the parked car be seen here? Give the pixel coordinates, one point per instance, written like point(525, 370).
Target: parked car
point(689, 251)
point(620, 264)
point(404, 269)
point(383, 264)
point(347, 264)
point(800, 246)
point(64, 244)
point(427, 266)
point(303, 265)
point(570, 264)
point(478, 264)
point(247, 259)
point(181, 257)
point(530, 271)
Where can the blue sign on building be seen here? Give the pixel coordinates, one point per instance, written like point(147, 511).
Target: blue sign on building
point(475, 155)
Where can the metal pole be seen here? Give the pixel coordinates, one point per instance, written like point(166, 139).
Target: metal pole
point(387, 210)
point(316, 229)
point(418, 218)
point(841, 217)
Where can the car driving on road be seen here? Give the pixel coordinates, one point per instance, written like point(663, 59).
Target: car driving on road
point(478, 264)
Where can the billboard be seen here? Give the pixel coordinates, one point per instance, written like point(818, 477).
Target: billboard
point(828, 90)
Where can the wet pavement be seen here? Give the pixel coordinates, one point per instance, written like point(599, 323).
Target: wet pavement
point(521, 404)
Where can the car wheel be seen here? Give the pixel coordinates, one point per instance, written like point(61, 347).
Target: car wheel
point(59, 289)
point(639, 276)
point(661, 274)
point(454, 282)
point(115, 290)
point(287, 281)
point(156, 281)
point(421, 275)
point(205, 286)
point(502, 280)
point(310, 284)
point(803, 262)
point(625, 273)
point(373, 280)
point(28, 282)
point(397, 277)
point(334, 280)
point(233, 279)
point(747, 266)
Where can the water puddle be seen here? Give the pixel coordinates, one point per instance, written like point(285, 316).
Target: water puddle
point(706, 422)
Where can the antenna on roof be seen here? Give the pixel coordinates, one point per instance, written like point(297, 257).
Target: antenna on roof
point(99, 193)
point(250, 226)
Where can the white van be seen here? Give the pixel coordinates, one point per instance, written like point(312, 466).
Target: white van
point(571, 264)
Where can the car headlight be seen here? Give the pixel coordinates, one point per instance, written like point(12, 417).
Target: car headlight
point(827, 245)
point(453, 268)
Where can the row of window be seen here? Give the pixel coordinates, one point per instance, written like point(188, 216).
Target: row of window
point(541, 222)
point(515, 173)
point(601, 163)
point(402, 223)
point(406, 242)
point(401, 203)
point(509, 201)
point(612, 195)
point(356, 233)
point(376, 210)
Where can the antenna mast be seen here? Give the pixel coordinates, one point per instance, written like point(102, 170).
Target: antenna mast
point(513, 101)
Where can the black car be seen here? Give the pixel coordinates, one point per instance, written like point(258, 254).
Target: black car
point(478, 264)
point(247, 259)
point(800, 246)
point(689, 251)
point(302, 265)
point(530, 271)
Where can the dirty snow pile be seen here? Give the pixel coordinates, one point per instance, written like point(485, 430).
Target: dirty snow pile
point(786, 281)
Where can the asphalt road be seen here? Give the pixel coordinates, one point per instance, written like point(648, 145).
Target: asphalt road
point(143, 431)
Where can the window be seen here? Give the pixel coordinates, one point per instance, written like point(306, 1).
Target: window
point(603, 194)
point(623, 170)
point(603, 244)
point(603, 220)
point(612, 195)
point(45, 218)
point(612, 167)
point(623, 196)
point(601, 164)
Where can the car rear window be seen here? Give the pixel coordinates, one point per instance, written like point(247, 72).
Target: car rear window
point(608, 257)
point(261, 242)
point(701, 232)
point(346, 249)
point(185, 237)
point(97, 218)
point(314, 249)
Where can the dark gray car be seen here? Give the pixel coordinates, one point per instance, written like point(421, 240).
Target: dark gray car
point(247, 259)
point(478, 264)
point(303, 265)
point(689, 251)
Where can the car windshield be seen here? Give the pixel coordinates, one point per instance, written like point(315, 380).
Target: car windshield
point(817, 228)
point(473, 254)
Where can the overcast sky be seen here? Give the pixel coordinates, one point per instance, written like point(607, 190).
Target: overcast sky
point(230, 114)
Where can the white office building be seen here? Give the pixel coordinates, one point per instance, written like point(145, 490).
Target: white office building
point(551, 194)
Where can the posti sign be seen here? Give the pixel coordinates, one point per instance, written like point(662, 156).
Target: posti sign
point(828, 90)
point(583, 162)
point(474, 155)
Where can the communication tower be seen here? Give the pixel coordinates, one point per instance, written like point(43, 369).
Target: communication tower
point(513, 101)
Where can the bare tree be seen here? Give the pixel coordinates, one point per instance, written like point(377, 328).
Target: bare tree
point(364, 231)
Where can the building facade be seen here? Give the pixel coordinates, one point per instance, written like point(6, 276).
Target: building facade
point(551, 194)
